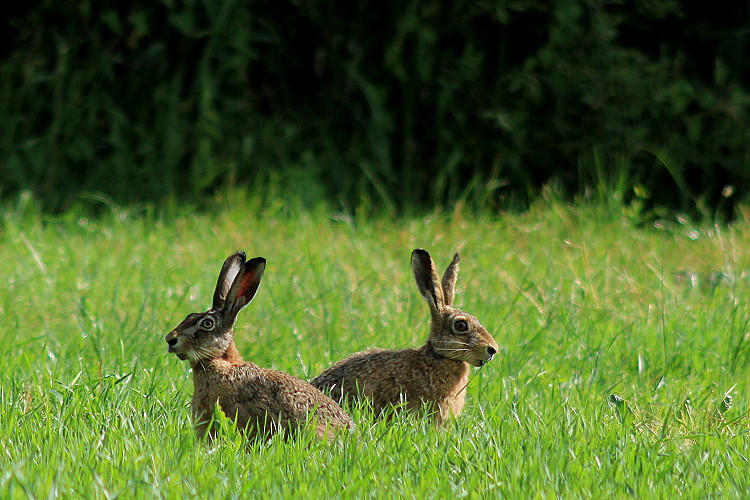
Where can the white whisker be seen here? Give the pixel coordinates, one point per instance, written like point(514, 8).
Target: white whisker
point(454, 346)
point(449, 342)
point(457, 341)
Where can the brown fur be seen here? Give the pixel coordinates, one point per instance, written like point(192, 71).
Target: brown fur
point(433, 376)
point(259, 400)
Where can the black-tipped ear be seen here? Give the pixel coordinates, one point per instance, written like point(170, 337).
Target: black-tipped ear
point(427, 280)
point(449, 280)
point(229, 271)
point(243, 288)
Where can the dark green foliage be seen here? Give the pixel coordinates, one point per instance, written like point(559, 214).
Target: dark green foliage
point(402, 102)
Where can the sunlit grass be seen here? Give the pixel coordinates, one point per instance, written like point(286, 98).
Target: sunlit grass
point(623, 367)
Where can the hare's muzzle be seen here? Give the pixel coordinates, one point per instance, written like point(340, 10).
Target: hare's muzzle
point(489, 353)
point(171, 339)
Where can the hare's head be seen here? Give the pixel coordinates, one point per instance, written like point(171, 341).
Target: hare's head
point(454, 334)
point(208, 335)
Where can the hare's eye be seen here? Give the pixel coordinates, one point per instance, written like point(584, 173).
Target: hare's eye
point(207, 323)
point(460, 326)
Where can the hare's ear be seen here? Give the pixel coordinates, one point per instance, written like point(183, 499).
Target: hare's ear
point(427, 280)
point(229, 271)
point(243, 288)
point(449, 280)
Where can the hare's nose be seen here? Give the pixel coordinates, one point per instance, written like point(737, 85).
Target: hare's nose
point(171, 338)
point(491, 351)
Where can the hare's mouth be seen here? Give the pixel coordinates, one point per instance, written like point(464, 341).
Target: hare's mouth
point(478, 362)
point(181, 355)
point(173, 348)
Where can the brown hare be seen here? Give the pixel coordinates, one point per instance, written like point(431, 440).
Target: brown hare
point(261, 401)
point(433, 376)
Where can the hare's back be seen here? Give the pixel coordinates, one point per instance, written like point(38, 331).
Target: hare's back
point(376, 373)
point(298, 400)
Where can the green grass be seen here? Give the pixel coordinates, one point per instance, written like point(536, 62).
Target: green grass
point(613, 367)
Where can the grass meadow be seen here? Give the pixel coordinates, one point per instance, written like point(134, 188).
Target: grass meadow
point(624, 366)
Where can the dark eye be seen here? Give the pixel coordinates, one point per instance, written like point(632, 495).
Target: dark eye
point(460, 326)
point(207, 323)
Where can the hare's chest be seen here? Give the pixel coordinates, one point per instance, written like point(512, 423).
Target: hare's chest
point(206, 395)
point(450, 393)
point(237, 394)
point(209, 390)
point(453, 403)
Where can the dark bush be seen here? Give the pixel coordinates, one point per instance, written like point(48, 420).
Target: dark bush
point(407, 103)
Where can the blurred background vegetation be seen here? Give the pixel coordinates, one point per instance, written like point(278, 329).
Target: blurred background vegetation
point(392, 104)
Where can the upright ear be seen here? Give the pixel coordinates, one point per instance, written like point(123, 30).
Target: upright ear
point(449, 280)
point(229, 271)
point(427, 280)
point(243, 288)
